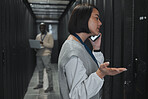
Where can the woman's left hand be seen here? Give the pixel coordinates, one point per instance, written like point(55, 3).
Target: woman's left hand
point(105, 70)
point(97, 43)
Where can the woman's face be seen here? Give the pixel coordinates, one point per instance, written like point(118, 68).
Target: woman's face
point(94, 22)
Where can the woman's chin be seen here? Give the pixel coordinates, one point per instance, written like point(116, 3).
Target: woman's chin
point(95, 34)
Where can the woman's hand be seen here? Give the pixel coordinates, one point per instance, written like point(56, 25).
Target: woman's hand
point(104, 70)
point(97, 43)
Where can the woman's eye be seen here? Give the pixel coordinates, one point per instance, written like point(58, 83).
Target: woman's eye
point(97, 18)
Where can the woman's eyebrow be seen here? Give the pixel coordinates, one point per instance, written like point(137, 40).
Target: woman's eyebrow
point(97, 15)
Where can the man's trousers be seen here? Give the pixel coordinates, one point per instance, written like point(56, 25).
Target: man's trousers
point(44, 62)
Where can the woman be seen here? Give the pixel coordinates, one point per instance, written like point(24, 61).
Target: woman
point(81, 71)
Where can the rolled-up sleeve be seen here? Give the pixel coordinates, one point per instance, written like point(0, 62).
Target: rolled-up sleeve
point(81, 85)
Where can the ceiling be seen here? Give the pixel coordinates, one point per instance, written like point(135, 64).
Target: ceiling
point(49, 10)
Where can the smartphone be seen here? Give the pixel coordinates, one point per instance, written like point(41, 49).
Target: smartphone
point(94, 38)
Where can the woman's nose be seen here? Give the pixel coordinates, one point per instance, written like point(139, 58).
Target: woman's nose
point(99, 22)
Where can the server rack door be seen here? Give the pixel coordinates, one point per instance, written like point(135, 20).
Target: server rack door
point(1, 56)
point(3, 49)
point(6, 66)
point(140, 50)
point(136, 77)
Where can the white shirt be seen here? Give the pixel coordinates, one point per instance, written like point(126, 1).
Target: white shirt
point(81, 85)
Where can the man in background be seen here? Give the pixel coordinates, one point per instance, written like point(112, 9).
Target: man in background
point(43, 57)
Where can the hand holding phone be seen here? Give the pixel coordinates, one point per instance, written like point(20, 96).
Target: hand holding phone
point(96, 41)
point(94, 38)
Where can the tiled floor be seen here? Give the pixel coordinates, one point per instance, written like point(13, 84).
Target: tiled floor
point(39, 93)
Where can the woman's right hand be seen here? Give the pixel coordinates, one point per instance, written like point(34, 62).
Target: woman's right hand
point(96, 44)
point(104, 70)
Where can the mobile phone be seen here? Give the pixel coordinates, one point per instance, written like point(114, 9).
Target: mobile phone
point(94, 38)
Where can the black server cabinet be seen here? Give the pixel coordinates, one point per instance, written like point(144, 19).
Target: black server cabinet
point(17, 60)
point(5, 67)
point(140, 50)
point(124, 44)
point(136, 78)
point(1, 57)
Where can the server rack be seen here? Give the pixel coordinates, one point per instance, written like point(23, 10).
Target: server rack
point(17, 60)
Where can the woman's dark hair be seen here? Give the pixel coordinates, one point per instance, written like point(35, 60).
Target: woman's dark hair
point(79, 18)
